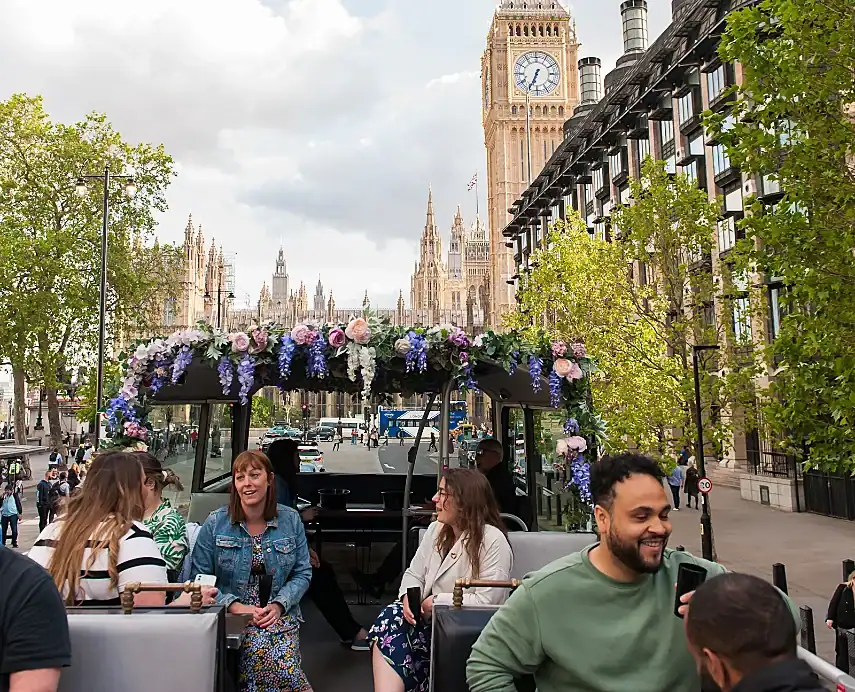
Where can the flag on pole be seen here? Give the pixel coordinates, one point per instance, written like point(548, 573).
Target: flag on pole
point(473, 182)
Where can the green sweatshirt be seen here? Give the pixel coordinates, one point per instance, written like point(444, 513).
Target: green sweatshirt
point(578, 630)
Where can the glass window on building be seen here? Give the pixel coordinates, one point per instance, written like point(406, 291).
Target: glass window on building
point(726, 234)
point(741, 320)
point(600, 230)
point(721, 161)
point(733, 201)
point(624, 194)
point(778, 309)
point(642, 151)
point(769, 185)
point(597, 176)
point(690, 170)
point(696, 144)
point(617, 162)
point(666, 131)
point(686, 108)
point(716, 82)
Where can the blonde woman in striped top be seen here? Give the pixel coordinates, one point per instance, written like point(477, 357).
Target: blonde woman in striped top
point(100, 544)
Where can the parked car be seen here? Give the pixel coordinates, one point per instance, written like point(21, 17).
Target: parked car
point(311, 454)
point(323, 433)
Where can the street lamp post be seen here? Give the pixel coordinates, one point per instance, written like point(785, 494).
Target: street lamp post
point(220, 292)
point(82, 189)
point(707, 549)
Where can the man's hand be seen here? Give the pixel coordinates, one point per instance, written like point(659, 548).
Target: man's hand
point(314, 560)
point(264, 617)
point(684, 599)
point(829, 624)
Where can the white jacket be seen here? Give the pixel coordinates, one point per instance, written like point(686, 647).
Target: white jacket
point(435, 575)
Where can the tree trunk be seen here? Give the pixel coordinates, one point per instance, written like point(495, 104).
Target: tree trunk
point(19, 393)
point(54, 423)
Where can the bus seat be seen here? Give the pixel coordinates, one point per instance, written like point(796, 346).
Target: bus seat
point(536, 549)
point(454, 631)
point(148, 650)
point(202, 504)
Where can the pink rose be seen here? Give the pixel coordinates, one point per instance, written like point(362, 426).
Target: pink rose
point(562, 367)
point(579, 350)
point(559, 348)
point(358, 331)
point(337, 337)
point(311, 337)
point(240, 341)
point(259, 336)
point(577, 444)
point(575, 372)
point(300, 334)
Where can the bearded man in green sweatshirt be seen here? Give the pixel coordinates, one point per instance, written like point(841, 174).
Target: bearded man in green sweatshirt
point(600, 620)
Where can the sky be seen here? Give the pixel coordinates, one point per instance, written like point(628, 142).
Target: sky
point(314, 125)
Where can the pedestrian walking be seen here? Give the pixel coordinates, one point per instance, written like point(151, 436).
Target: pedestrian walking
point(401, 437)
point(337, 441)
point(841, 618)
point(10, 510)
point(690, 484)
point(675, 482)
point(432, 445)
point(47, 498)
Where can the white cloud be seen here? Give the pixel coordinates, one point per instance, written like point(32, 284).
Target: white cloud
point(317, 124)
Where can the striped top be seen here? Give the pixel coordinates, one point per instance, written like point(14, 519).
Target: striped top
point(139, 560)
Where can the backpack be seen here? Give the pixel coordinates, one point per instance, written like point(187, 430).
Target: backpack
point(54, 495)
point(52, 457)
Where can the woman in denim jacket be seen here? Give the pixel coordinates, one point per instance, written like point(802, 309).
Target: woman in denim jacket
point(238, 544)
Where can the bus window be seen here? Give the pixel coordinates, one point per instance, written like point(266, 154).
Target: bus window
point(218, 463)
point(175, 431)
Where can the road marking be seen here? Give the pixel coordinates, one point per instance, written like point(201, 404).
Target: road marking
point(389, 467)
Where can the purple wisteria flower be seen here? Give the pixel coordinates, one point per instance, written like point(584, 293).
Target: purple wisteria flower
point(182, 360)
point(514, 362)
point(226, 372)
point(571, 427)
point(158, 379)
point(535, 368)
point(246, 377)
point(554, 389)
point(458, 338)
point(316, 365)
point(580, 476)
point(417, 356)
point(286, 353)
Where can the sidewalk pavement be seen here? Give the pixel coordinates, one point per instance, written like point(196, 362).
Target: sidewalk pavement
point(751, 538)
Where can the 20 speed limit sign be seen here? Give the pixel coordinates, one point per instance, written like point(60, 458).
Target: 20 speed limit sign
point(704, 485)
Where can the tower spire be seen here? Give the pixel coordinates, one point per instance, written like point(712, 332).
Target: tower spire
point(430, 222)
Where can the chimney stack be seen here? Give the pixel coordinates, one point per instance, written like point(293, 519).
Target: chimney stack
point(589, 81)
point(634, 17)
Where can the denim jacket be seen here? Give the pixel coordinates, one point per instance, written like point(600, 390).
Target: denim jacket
point(224, 549)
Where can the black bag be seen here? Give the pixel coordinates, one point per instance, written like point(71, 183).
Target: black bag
point(54, 495)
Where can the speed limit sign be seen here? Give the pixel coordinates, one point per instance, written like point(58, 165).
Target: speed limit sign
point(704, 485)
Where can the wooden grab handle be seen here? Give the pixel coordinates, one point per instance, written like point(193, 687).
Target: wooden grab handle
point(195, 591)
point(460, 584)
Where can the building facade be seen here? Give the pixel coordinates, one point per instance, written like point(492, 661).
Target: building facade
point(530, 58)
point(651, 104)
point(452, 288)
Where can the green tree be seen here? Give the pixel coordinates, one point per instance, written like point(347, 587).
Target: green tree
point(638, 303)
point(792, 125)
point(50, 242)
point(262, 412)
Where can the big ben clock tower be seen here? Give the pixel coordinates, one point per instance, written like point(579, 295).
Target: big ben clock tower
point(531, 56)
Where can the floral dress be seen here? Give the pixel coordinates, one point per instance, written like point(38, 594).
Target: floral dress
point(169, 531)
point(405, 648)
point(270, 658)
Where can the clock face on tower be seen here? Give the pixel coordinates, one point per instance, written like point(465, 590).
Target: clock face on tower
point(537, 73)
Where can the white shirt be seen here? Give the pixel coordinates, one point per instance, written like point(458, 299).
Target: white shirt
point(139, 561)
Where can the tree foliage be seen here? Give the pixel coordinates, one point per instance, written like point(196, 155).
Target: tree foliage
point(262, 412)
point(50, 241)
point(794, 124)
point(638, 302)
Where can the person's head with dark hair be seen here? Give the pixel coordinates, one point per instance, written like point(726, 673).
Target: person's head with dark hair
point(488, 454)
point(738, 624)
point(632, 513)
point(285, 459)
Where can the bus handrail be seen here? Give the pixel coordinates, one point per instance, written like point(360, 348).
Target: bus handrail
point(513, 518)
point(826, 671)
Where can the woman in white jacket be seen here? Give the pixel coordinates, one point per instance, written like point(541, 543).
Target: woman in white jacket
point(467, 540)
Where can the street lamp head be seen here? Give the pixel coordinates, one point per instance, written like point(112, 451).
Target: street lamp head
point(81, 188)
point(231, 296)
point(207, 295)
point(131, 188)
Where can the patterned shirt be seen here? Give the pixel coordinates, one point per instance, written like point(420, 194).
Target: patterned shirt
point(170, 533)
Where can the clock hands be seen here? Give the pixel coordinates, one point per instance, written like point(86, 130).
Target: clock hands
point(534, 79)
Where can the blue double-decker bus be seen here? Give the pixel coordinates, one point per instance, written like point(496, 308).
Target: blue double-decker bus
point(394, 421)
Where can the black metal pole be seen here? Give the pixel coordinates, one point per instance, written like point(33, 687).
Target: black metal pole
point(102, 308)
point(706, 519)
point(807, 635)
point(779, 576)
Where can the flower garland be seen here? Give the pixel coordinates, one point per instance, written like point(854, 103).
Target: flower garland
point(366, 351)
